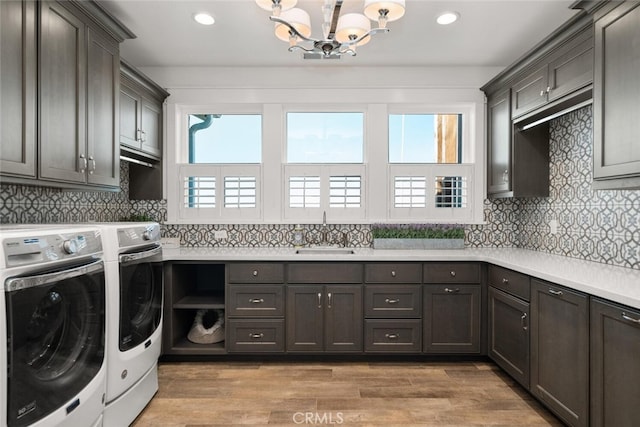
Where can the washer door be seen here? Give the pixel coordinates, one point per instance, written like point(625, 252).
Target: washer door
point(140, 302)
point(55, 344)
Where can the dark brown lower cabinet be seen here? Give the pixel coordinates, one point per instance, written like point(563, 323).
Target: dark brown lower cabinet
point(509, 334)
point(615, 376)
point(560, 351)
point(451, 316)
point(325, 318)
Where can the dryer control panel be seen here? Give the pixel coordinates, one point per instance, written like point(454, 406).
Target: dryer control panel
point(50, 248)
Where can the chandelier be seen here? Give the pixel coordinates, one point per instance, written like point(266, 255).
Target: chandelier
point(341, 34)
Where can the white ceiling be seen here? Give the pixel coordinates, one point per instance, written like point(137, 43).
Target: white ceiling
point(488, 34)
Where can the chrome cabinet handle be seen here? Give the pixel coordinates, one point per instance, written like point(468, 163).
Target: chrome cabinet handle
point(144, 136)
point(548, 89)
point(256, 300)
point(392, 336)
point(630, 319)
point(138, 135)
point(554, 292)
point(453, 273)
point(392, 301)
point(319, 300)
point(523, 321)
point(329, 297)
point(83, 163)
point(255, 273)
point(542, 93)
point(505, 281)
point(393, 273)
point(92, 166)
point(256, 336)
point(452, 291)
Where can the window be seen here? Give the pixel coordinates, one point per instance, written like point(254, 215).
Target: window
point(325, 170)
point(325, 137)
point(425, 138)
point(225, 138)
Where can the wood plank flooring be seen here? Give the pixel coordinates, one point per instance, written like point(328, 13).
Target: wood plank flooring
point(469, 394)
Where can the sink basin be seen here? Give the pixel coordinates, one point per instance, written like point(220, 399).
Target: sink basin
point(325, 251)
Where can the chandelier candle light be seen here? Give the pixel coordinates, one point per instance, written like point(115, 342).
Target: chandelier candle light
point(341, 34)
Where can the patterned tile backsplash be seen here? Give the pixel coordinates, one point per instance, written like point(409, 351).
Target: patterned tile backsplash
point(602, 226)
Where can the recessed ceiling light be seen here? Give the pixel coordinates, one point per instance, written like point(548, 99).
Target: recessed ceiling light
point(447, 18)
point(204, 18)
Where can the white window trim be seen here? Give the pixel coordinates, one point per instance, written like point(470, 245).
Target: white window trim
point(273, 192)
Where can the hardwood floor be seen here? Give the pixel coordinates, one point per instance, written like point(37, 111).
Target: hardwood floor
point(340, 393)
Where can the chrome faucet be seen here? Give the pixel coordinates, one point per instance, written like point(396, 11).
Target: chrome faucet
point(324, 239)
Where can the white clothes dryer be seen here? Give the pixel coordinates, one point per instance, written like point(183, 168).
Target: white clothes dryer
point(52, 349)
point(134, 317)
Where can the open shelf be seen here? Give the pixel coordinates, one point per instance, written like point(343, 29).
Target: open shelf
point(215, 301)
point(184, 346)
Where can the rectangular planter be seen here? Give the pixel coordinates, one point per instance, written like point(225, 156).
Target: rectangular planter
point(418, 243)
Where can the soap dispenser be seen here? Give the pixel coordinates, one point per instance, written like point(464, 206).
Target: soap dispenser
point(298, 236)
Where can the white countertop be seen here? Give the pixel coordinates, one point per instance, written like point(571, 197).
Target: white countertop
point(617, 284)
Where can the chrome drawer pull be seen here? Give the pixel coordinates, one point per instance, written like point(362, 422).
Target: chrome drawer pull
point(256, 300)
point(393, 273)
point(319, 300)
point(329, 297)
point(392, 301)
point(256, 336)
point(255, 272)
point(453, 273)
point(523, 321)
point(554, 292)
point(452, 291)
point(505, 281)
point(630, 319)
point(392, 336)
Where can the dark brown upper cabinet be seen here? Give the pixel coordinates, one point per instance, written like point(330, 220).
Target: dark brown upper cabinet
point(18, 87)
point(616, 128)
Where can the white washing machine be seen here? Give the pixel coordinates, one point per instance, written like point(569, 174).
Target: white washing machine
point(52, 343)
point(134, 318)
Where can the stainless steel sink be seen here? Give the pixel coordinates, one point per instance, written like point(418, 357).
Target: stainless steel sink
point(325, 251)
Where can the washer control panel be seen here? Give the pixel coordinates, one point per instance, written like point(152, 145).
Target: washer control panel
point(50, 248)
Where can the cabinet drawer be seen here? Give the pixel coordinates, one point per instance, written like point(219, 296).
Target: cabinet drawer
point(325, 272)
point(255, 336)
point(391, 301)
point(392, 336)
point(451, 272)
point(256, 273)
point(255, 300)
point(509, 281)
point(392, 273)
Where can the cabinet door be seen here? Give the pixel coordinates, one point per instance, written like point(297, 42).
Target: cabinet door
point(451, 319)
point(62, 137)
point(129, 117)
point(615, 377)
point(572, 66)
point(343, 318)
point(560, 351)
point(18, 88)
point(509, 334)
point(616, 90)
point(305, 308)
point(103, 148)
point(499, 144)
point(530, 92)
point(151, 125)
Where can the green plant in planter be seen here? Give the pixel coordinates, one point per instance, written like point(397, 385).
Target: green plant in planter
point(417, 231)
